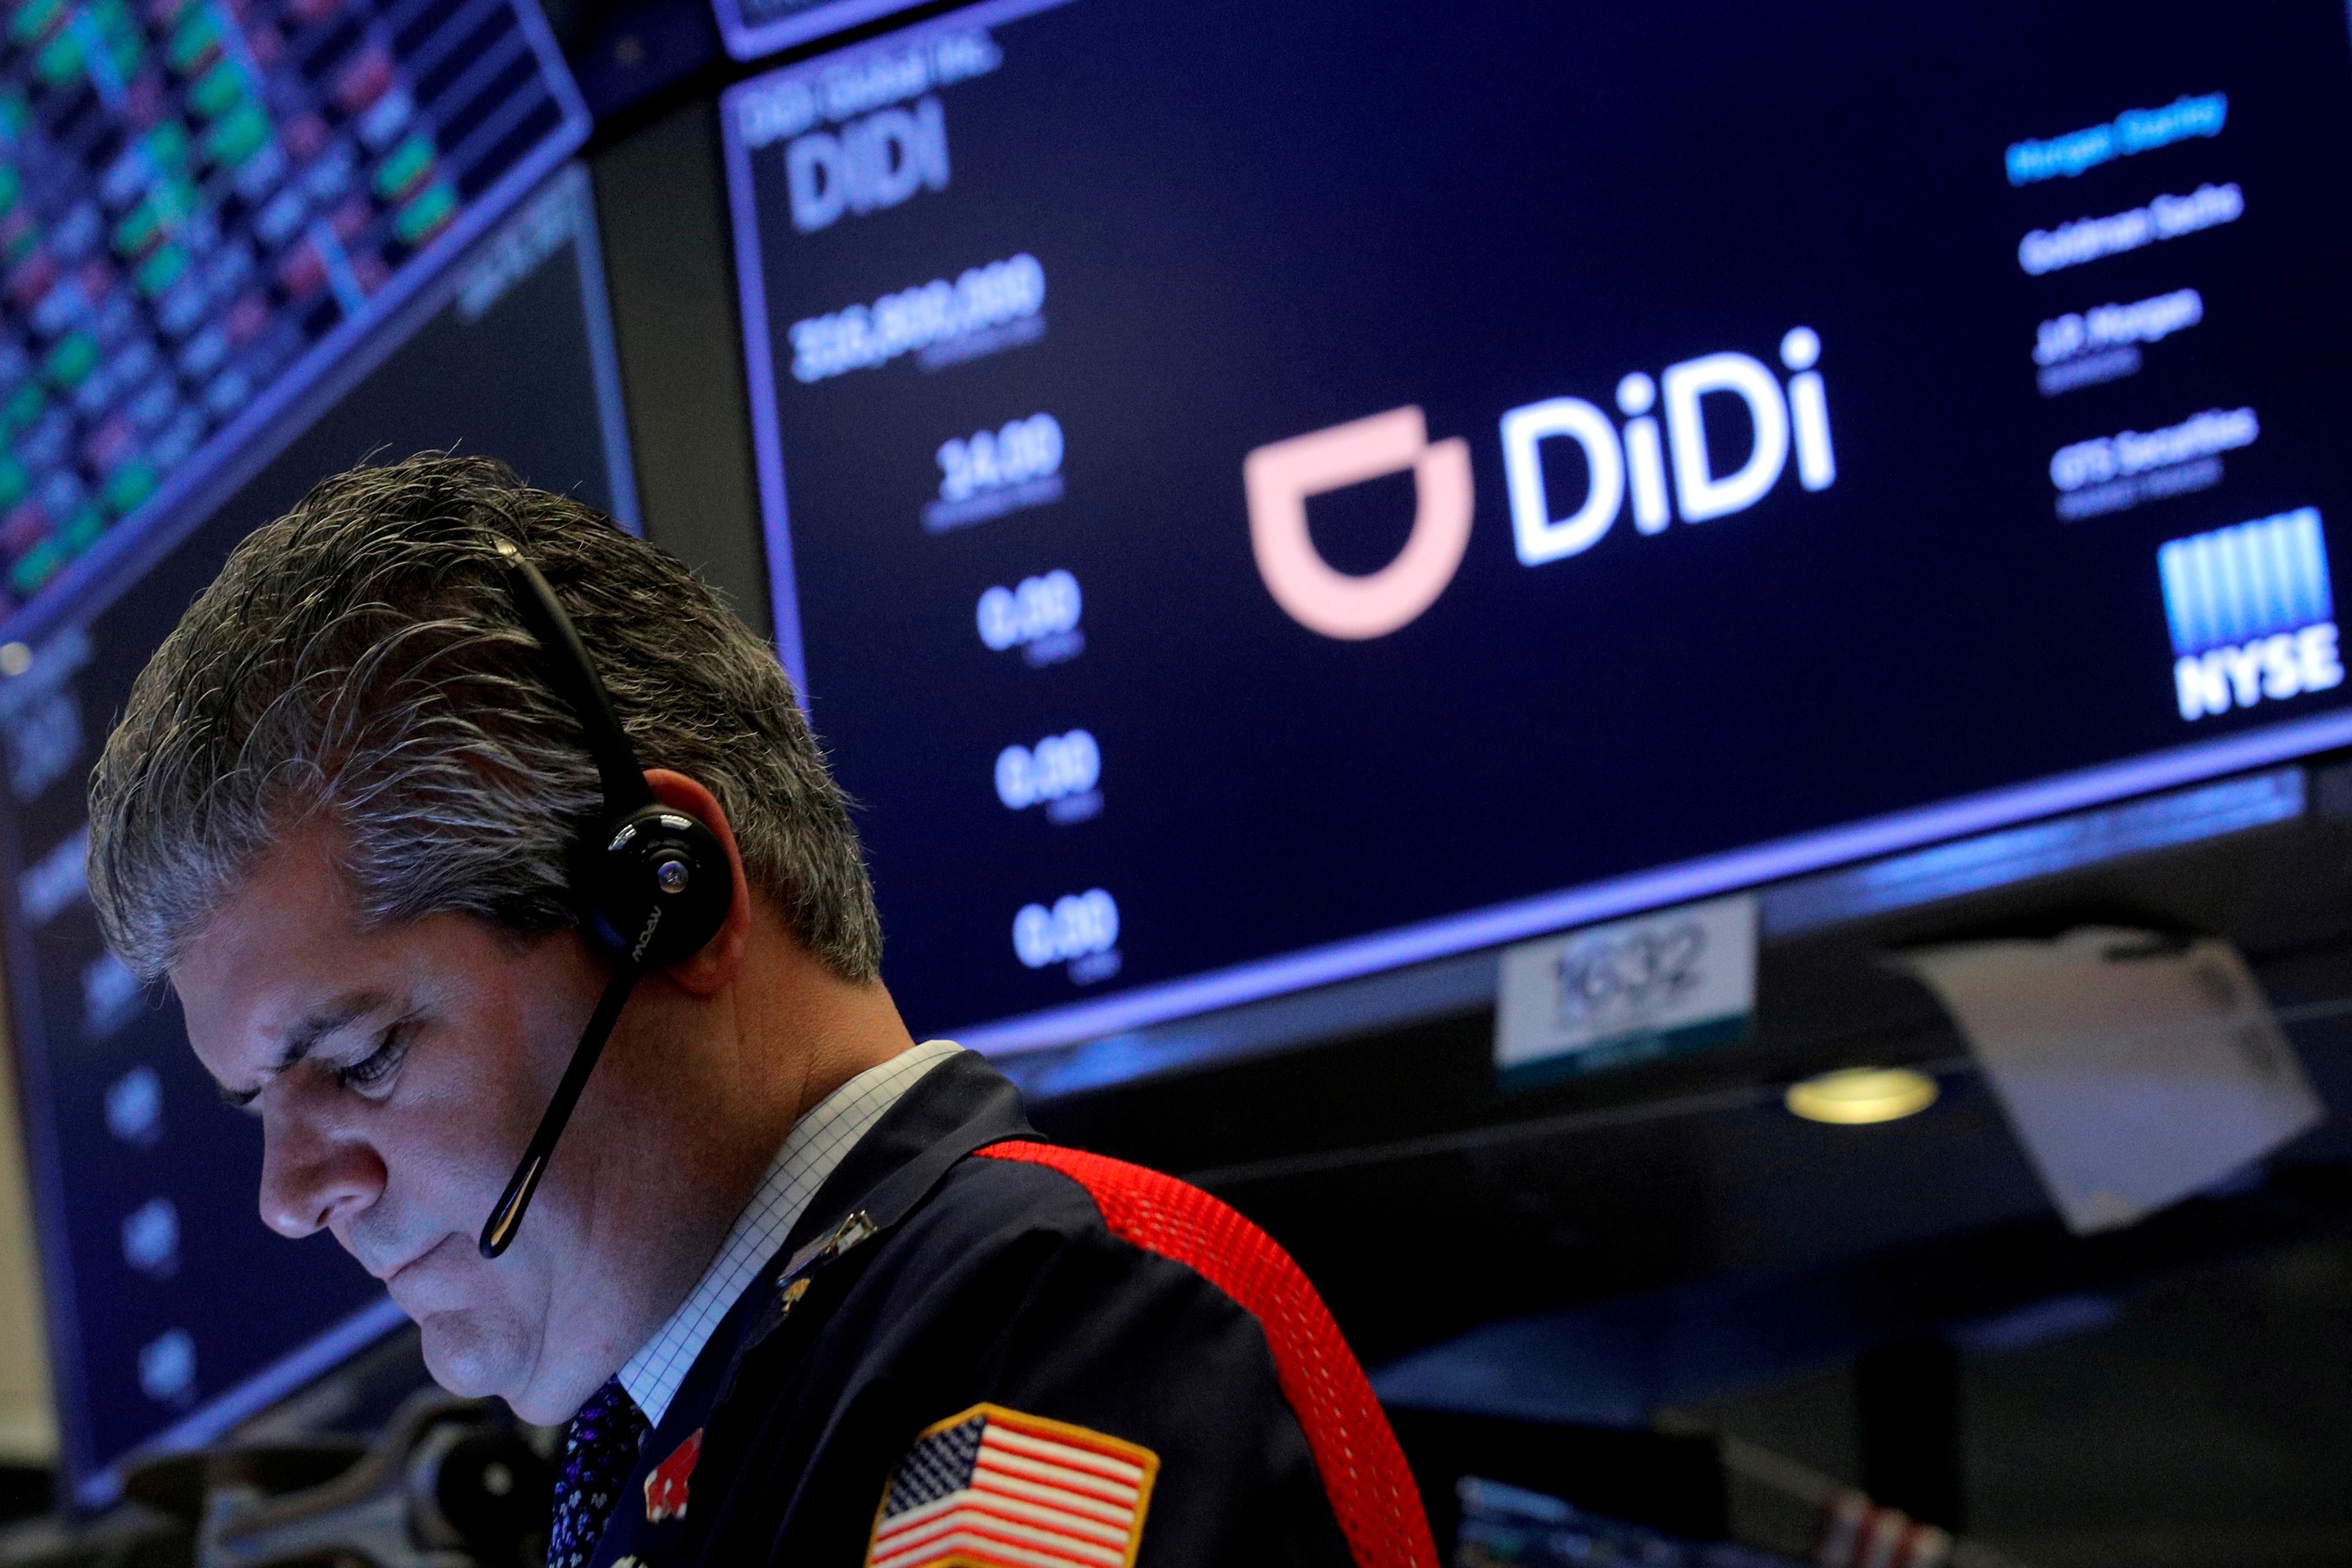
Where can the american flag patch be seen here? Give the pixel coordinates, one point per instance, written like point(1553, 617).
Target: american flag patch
point(993, 1487)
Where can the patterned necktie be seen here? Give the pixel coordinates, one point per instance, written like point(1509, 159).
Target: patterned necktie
point(600, 1449)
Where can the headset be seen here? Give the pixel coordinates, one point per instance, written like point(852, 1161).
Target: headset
point(652, 884)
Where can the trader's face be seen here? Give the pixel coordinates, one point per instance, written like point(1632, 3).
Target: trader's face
point(397, 1074)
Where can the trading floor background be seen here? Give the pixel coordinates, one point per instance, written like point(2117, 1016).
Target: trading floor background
point(1662, 684)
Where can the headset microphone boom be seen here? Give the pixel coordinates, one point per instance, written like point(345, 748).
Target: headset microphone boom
point(653, 884)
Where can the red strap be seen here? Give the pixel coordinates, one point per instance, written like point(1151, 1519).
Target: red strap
point(1364, 1474)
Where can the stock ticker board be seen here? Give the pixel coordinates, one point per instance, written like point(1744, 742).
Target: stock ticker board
point(203, 204)
point(173, 1310)
point(243, 243)
point(1261, 494)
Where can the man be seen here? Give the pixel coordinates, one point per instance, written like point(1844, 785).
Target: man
point(807, 1292)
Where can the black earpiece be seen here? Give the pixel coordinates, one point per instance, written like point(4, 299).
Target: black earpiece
point(654, 884)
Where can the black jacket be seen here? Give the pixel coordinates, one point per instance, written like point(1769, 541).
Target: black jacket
point(935, 1303)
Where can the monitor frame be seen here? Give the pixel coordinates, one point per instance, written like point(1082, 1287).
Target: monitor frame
point(747, 41)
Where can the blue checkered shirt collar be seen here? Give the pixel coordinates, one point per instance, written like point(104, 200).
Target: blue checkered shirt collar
point(811, 1151)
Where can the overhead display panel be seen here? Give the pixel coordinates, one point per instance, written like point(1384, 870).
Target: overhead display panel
point(173, 1312)
point(202, 206)
point(1259, 495)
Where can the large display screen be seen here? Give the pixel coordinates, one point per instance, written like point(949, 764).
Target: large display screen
point(1259, 494)
point(203, 205)
point(172, 1311)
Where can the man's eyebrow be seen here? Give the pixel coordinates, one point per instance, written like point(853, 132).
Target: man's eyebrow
point(303, 1039)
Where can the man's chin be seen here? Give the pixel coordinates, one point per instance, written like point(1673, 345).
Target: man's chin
point(471, 1355)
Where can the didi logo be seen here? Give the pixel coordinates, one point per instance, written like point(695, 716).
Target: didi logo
point(1545, 527)
point(1279, 477)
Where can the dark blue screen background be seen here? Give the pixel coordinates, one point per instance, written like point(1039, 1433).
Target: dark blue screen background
point(1256, 221)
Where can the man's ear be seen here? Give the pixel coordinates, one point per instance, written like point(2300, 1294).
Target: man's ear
point(714, 967)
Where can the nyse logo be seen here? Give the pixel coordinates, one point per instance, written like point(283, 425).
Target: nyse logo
point(1546, 527)
point(2252, 612)
point(868, 164)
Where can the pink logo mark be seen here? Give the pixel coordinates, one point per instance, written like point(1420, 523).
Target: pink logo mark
point(1280, 477)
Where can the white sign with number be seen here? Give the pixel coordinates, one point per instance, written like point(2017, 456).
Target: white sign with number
point(1609, 994)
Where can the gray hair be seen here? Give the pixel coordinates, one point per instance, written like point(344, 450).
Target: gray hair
point(359, 660)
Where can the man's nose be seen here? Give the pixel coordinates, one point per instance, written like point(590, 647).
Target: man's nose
point(313, 1171)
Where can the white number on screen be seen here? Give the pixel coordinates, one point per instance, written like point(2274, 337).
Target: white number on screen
point(1079, 924)
point(1058, 767)
point(1041, 607)
point(1022, 449)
